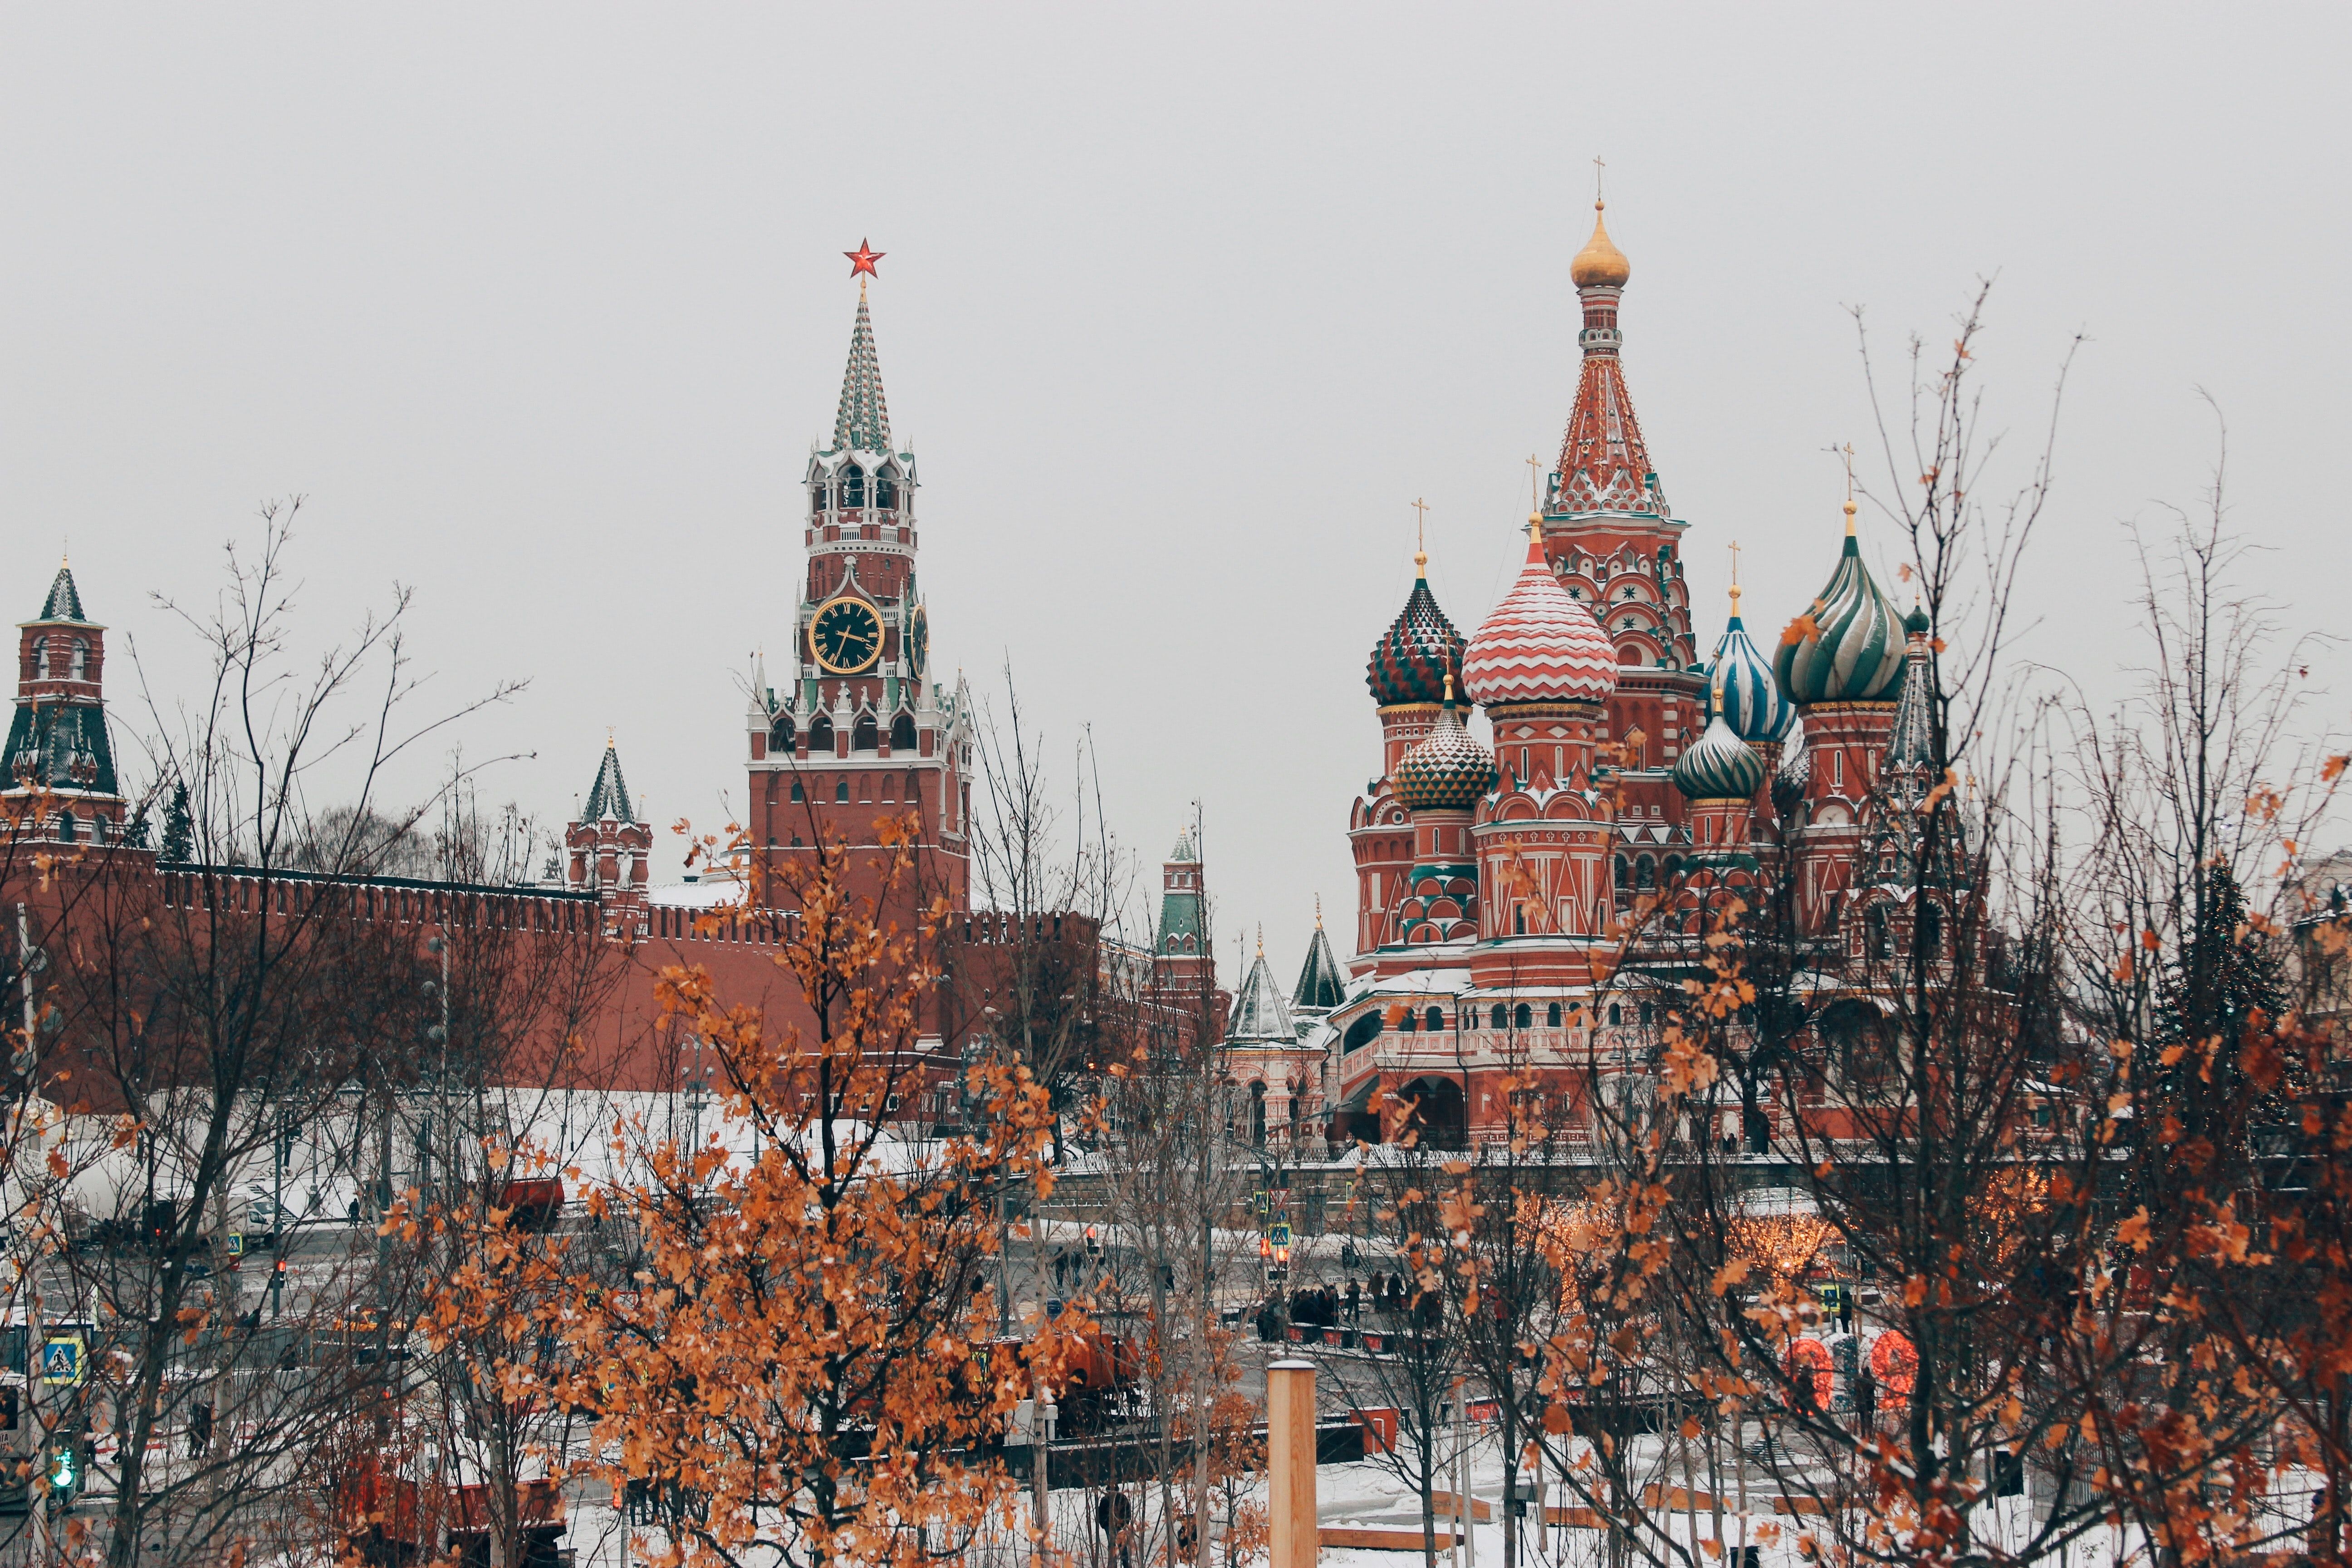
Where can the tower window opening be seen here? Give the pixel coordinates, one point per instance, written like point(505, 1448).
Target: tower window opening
point(886, 490)
point(1624, 870)
point(902, 732)
point(1523, 1017)
point(841, 792)
point(798, 793)
point(1495, 1019)
point(1645, 1014)
point(1434, 1021)
point(1837, 770)
point(1551, 1016)
point(1875, 933)
point(40, 659)
point(80, 667)
point(1930, 922)
point(863, 734)
point(1646, 873)
point(781, 735)
point(853, 486)
point(816, 498)
point(821, 735)
point(1616, 1014)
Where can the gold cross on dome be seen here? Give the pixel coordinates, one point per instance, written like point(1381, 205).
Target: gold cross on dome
point(1597, 167)
point(1735, 563)
point(1420, 525)
point(1534, 483)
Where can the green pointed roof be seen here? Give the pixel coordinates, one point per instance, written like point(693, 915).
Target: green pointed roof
point(863, 423)
point(1321, 985)
point(64, 603)
point(609, 797)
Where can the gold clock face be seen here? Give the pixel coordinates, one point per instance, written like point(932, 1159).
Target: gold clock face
point(846, 636)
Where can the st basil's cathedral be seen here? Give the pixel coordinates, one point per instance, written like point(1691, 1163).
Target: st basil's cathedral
point(1496, 881)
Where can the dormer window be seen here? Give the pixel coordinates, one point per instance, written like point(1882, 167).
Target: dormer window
point(853, 486)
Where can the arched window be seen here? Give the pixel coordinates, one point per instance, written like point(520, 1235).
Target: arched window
point(66, 825)
point(1519, 920)
point(1880, 940)
point(853, 486)
point(863, 734)
point(1495, 1019)
point(1645, 1014)
point(783, 733)
point(80, 671)
point(821, 735)
point(40, 658)
point(1257, 1115)
point(1645, 872)
point(1673, 867)
point(1930, 924)
point(816, 498)
point(841, 791)
point(798, 793)
point(1362, 1032)
point(885, 489)
point(1551, 1016)
point(1410, 1021)
point(1171, 945)
point(1624, 871)
point(1523, 1017)
point(902, 732)
point(1434, 1021)
point(1616, 1016)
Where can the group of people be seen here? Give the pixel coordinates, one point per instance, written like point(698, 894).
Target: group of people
point(1386, 1296)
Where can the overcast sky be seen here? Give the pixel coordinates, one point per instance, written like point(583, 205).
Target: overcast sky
point(540, 307)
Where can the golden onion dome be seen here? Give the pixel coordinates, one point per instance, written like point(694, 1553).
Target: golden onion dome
point(1600, 264)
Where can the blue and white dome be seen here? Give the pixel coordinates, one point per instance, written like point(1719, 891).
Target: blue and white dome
point(1752, 702)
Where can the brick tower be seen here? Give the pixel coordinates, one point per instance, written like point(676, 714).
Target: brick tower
point(609, 850)
point(1616, 546)
point(857, 730)
point(60, 768)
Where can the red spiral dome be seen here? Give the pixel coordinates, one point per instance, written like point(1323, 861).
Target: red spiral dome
point(1538, 645)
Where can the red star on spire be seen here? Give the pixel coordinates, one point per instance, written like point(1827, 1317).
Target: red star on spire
point(862, 259)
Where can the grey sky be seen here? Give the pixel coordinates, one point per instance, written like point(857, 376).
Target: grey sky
point(540, 307)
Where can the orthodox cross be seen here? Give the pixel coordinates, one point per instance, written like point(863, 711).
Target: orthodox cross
point(1534, 483)
point(1597, 167)
point(1421, 525)
point(1735, 563)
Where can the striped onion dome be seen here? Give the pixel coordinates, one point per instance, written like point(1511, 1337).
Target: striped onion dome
point(1538, 645)
point(1418, 652)
point(1752, 702)
point(1720, 766)
point(1853, 652)
point(1448, 770)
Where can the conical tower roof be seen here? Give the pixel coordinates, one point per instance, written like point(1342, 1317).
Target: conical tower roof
point(609, 797)
point(64, 603)
point(1604, 463)
point(1260, 1016)
point(1321, 983)
point(863, 423)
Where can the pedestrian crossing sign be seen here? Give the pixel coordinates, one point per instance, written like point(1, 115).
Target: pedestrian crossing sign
point(62, 1361)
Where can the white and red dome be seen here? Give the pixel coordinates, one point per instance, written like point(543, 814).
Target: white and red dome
point(1538, 645)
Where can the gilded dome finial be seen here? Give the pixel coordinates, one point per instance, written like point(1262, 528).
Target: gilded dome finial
point(1849, 488)
point(1420, 536)
point(1600, 265)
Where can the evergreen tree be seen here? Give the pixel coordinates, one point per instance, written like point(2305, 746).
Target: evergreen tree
point(179, 828)
point(2225, 972)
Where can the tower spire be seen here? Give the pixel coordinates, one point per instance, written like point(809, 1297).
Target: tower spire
point(863, 423)
point(1604, 463)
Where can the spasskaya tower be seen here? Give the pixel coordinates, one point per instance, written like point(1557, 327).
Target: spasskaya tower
point(854, 729)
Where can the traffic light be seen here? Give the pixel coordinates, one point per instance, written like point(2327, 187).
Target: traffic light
point(1094, 1242)
point(1266, 1247)
point(68, 1461)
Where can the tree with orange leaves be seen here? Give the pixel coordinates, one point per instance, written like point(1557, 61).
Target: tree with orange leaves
point(799, 1369)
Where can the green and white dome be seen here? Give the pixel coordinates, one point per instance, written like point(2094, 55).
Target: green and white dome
point(1853, 650)
point(1720, 766)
